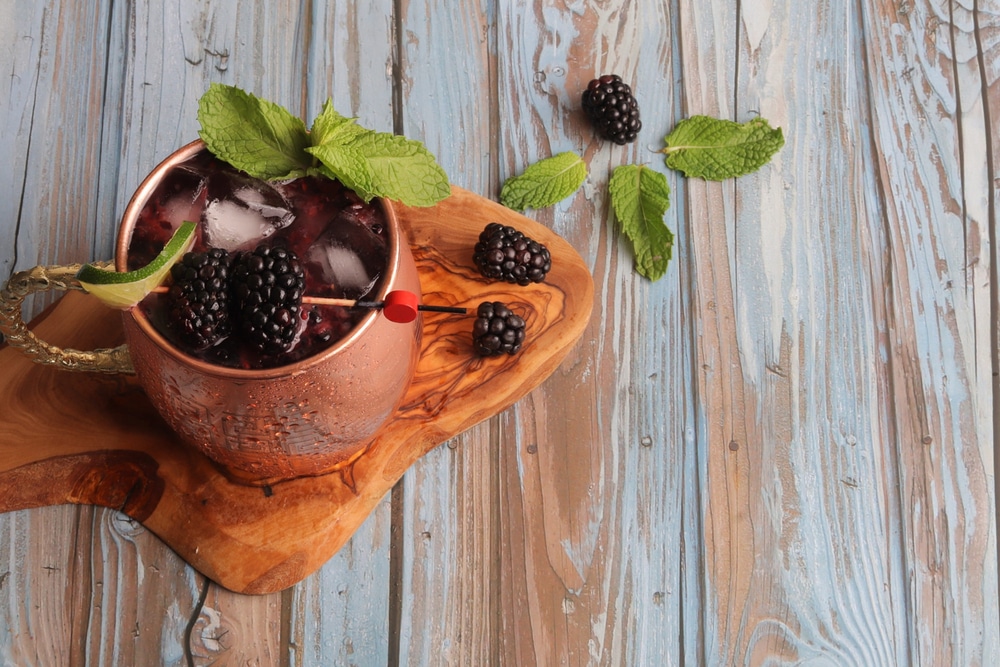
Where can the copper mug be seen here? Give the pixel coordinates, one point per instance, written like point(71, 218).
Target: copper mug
point(306, 418)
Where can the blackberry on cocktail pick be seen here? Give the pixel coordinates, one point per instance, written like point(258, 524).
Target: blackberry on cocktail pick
point(503, 253)
point(609, 104)
point(267, 286)
point(198, 299)
point(497, 329)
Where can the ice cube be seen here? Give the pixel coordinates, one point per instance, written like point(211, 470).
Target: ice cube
point(232, 227)
point(273, 208)
point(180, 196)
point(241, 212)
point(343, 268)
point(349, 256)
point(181, 207)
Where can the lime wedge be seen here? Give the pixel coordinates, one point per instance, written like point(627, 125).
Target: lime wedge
point(124, 290)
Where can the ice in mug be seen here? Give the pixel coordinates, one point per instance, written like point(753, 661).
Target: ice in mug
point(340, 240)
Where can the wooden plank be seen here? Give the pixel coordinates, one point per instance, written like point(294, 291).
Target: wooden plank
point(52, 140)
point(233, 629)
point(169, 54)
point(340, 615)
point(24, 31)
point(34, 586)
point(560, 508)
point(929, 106)
point(121, 574)
point(56, 102)
point(445, 528)
point(802, 390)
point(85, 114)
point(595, 488)
point(448, 587)
point(806, 318)
point(784, 283)
point(61, 608)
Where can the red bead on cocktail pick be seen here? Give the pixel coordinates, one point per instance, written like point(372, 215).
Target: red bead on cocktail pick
point(400, 306)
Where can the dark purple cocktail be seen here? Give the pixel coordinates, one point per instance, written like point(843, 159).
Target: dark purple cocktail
point(340, 241)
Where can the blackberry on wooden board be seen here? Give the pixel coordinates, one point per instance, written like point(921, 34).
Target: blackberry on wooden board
point(198, 300)
point(612, 109)
point(504, 253)
point(267, 288)
point(497, 329)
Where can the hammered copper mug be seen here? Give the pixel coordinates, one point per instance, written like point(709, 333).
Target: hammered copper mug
point(305, 418)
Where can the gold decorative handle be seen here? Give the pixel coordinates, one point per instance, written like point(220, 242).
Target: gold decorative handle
point(42, 279)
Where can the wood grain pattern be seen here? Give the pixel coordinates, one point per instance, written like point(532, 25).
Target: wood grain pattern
point(788, 290)
point(341, 614)
point(446, 531)
point(600, 583)
point(782, 452)
point(260, 540)
point(944, 439)
point(59, 133)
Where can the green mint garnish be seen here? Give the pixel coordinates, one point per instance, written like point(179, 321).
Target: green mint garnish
point(640, 197)
point(346, 165)
point(254, 135)
point(385, 165)
point(544, 183)
point(715, 149)
point(331, 136)
point(268, 142)
point(330, 127)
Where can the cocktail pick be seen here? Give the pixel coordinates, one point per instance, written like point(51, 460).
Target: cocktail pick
point(399, 306)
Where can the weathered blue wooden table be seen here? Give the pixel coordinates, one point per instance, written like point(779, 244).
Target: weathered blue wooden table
point(782, 452)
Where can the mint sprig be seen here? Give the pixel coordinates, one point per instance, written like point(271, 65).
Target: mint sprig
point(640, 197)
point(717, 149)
point(268, 142)
point(253, 135)
point(545, 182)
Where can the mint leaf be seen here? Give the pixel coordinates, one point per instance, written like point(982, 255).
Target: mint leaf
point(402, 169)
point(716, 149)
point(379, 164)
point(330, 135)
point(640, 197)
point(376, 164)
point(254, 135)
point(330, 127)
point(544, 183)
point(347, 165)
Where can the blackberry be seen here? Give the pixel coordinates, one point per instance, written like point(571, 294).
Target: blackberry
point(610, 106)
point(497, 329)
point(503, 253)
point(198, 299)
point(267, 286)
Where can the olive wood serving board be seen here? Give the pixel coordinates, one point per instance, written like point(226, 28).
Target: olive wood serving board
point(86, 438)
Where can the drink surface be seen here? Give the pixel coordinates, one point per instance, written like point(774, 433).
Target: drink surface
point(341, 242)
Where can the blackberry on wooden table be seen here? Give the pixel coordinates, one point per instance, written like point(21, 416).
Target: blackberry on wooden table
point(497, 329)
point(609, 104)
point(504, 253)
point(267, 288)
point(198, 299)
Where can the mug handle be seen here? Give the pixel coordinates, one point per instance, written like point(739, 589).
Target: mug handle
point(42, 279)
